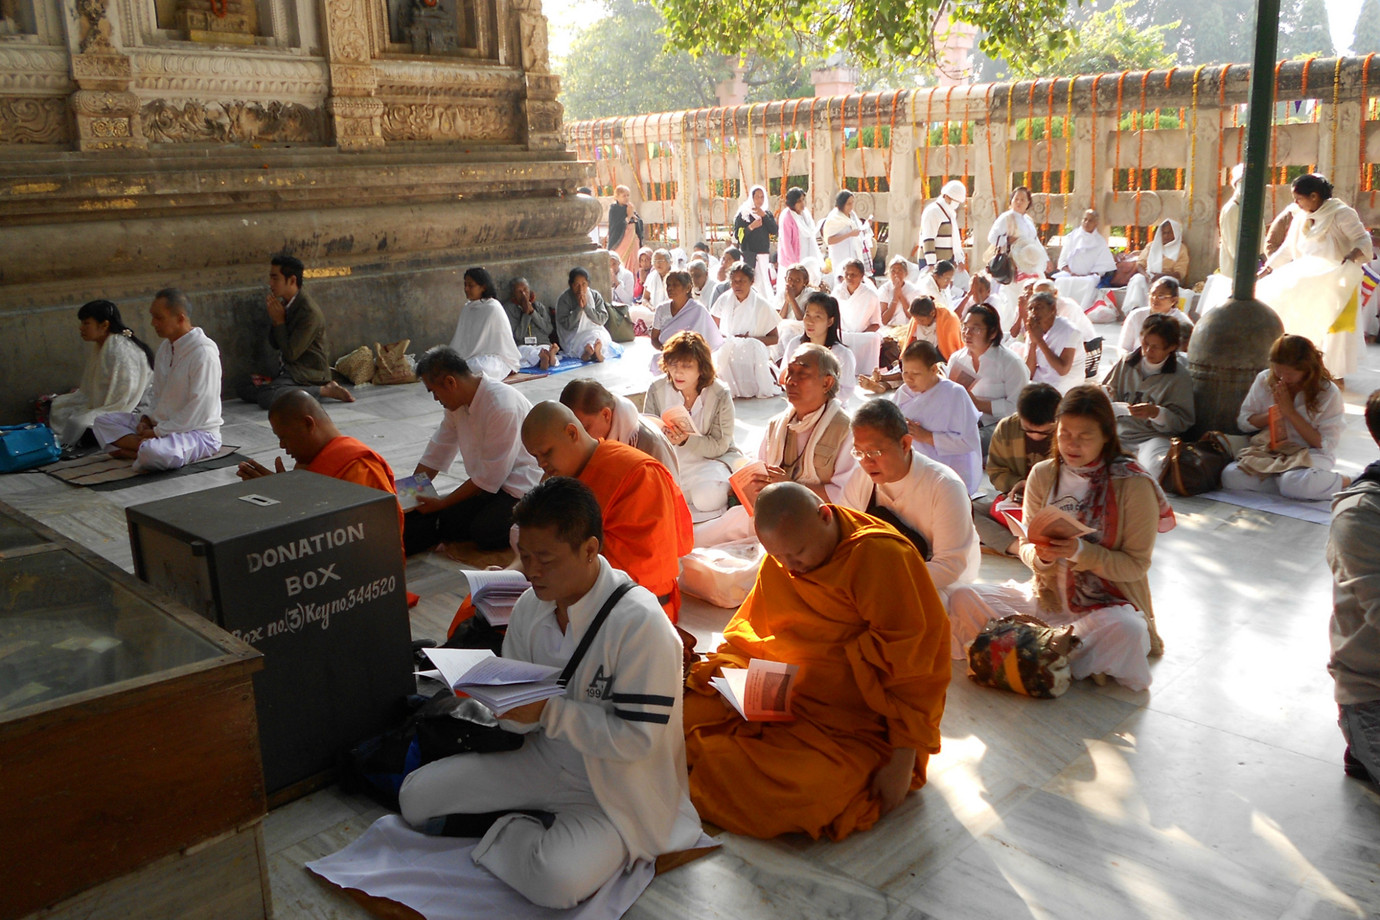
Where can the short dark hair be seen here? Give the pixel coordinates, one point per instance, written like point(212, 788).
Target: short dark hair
point(701, 246)
point(1373, 415)
point(584, 190)
point(744, 269)
point(565, 505)
point(1313, 183)
point(841, 198)
point(175, 299)
point(481, 277)
point(989, 319)
point(922, 306)
point(1091, 402)
point(587, 396)
point(289, 265)
point(1038, 402)
point(920, 350)
point(943, 267)
point(794, 194)
point(1168, 282)
point(442, 360)
point(881, 415)
point(732, 254)
point(576, 272)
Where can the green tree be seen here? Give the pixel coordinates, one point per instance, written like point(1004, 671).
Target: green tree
point(1303, 30)
point(1199, 32)
point(873, 33)
point(1107, 43)
point(1366, 38)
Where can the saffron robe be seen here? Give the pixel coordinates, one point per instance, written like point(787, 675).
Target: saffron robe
point(647, 525)
point(871, 637)
point(354, 461)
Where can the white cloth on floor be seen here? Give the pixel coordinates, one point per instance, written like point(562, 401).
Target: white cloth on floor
point(437, 877)
point(484, 338)
point(1114, 640)
point(866, 348)
point(168, 452)
point(1305, 484)
point(115, 379)
point(1081, 289)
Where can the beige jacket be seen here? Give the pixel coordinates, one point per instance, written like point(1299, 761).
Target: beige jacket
point(1124, 560)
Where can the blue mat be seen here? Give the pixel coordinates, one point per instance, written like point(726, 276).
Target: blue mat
point(569, 363)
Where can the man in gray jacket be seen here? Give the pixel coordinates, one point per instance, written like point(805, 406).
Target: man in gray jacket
point(1353, 552)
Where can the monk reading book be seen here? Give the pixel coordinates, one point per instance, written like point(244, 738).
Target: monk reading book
point(849, 599)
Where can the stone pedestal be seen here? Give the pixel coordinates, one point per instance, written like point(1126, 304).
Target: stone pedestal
point(1229, 347)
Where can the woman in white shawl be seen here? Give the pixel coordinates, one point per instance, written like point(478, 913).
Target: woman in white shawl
point(653, 288)
point(797, 238)
point(483, 335)
point(1015, 232)
point(748, 324)
point(1166, 255)
point(753, 228)
point(1313, 280)
point(117, 373)
point(939, 413)
point(681, 313)
point(846, 236)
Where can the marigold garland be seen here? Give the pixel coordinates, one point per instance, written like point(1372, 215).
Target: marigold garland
point(891, 134)
point(991, 166)
point(1367, 182)
point(948, 122)
point(1336, 113)
point(1221, 124)
point(1009, 177)
point(1274, 141)
point(1312, 115)
point(929, 120)
point(1140, 150)
point(1030, 135)
point(1116, 166)
point(1068, 161)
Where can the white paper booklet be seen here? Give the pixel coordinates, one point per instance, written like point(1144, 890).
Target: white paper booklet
point(761, 692)
point(494, 592)
point(499, 683)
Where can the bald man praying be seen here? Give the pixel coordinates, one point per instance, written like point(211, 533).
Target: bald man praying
point(646, 521)
point(180, 422)
point(850, 599)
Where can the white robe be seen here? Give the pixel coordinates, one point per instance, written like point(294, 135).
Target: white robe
point(743, 363)
point(1315, 294)
point(945, 411)
point(909, 292)
point(484, 338)
point(116, 377)
point(1001, 375)
point(858, 309)
point(807, 246)
point(1023, 240)
point(1086, 253)
point(855, 247)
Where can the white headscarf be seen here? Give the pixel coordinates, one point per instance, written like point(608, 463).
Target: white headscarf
point(745, 209)
point(1160, 251)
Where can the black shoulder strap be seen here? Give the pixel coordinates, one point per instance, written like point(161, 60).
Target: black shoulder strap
point(588, 637)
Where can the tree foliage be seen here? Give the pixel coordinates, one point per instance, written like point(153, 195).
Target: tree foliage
point(1303, 30)
point(1107, 42)
point(1366, 38)
point(871, 34)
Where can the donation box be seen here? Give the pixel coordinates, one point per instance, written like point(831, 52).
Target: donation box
point(308, 570)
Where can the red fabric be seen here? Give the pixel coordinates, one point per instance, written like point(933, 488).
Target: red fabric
point(647, 526)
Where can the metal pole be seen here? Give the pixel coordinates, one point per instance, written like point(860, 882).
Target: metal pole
point(1253, 180)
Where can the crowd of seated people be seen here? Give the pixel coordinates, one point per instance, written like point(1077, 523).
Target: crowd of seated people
point(865, 493)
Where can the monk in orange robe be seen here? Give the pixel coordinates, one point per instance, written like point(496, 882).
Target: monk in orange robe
point(309, 436)
point(849, 600)
point(647, 525)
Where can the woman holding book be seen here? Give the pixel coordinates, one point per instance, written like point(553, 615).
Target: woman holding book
point(1091, 562)
point(696, 413)
point(1298, 414)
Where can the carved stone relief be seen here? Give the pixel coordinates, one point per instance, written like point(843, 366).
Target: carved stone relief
point(253, 75)
point(42, 120)
point(219, 21)
point(230, 122)
point(495, 120)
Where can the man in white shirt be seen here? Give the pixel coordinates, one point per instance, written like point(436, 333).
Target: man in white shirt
point(600, 783)
point(180, 423)
point(1054, 348)
point(482, 423)
point(924, 494)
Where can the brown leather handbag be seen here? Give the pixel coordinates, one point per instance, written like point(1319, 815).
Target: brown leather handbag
point(1195, 467)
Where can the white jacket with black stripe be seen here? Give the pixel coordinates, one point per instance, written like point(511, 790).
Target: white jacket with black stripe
point(622, 712)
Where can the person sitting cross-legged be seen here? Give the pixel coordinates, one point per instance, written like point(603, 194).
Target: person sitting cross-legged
point(926, 496)
point(850, 600)
point(1021, 440)
point(180, 424)
point(481, 424)
point(600, 781)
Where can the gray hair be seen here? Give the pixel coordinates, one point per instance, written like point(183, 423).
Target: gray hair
point(883, 416)
point(1045, 297)
point(824, 361)
point(175, 299)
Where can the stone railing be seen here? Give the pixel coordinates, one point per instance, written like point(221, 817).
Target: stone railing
point(1138, 146)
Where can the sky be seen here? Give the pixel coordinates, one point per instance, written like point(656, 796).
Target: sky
point(567, 17)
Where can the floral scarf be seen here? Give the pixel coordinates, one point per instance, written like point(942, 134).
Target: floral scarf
point(1087, 590)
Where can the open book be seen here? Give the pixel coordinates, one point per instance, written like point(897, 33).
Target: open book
point(761, 692)
point(744, 475)
point(1049, 523)
point(494, 592)
point(678, 418)
point(1009, 511)
point(410, 487)
point(499, 683)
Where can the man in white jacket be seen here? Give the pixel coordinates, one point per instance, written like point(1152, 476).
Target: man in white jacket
point(181, 422)
point(601, 781)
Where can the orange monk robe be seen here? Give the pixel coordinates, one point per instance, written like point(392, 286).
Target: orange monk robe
point(354, 461)
point(647, 525)
point(948, 331)
point(871, 637)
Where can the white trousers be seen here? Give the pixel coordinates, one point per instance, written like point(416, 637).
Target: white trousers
point(1114, 640)
point(492, 366)
point(1137, 294)
point(733, 525)
point(531, 354)
point(704, 483)
point(556, 866)
point(170, 452)
point(1308, 484)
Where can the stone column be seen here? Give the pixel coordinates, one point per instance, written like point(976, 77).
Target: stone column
point(907, 198)
point(107, 113)
point(1200, 175)
point(1085, 183)
point(1349, 112)
point(689, 184)
point(356, 116)
point(985, 203)
point(541, 110)
point(823, 184)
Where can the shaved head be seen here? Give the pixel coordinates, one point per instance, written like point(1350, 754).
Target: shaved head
point(554, 436)
point(796, 528)
point(302, 426)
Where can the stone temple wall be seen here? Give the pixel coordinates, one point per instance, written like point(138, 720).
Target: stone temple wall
point(389, 144)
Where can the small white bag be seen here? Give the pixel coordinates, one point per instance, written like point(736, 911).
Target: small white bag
point(722, 575)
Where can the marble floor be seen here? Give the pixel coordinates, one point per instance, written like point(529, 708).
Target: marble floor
point(1217, 794)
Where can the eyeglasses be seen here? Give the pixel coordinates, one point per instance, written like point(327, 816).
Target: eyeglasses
point(1036, 434)
point(866, 454)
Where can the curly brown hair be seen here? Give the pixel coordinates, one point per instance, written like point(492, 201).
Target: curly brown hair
point(690, 346)
point(1301, 354)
